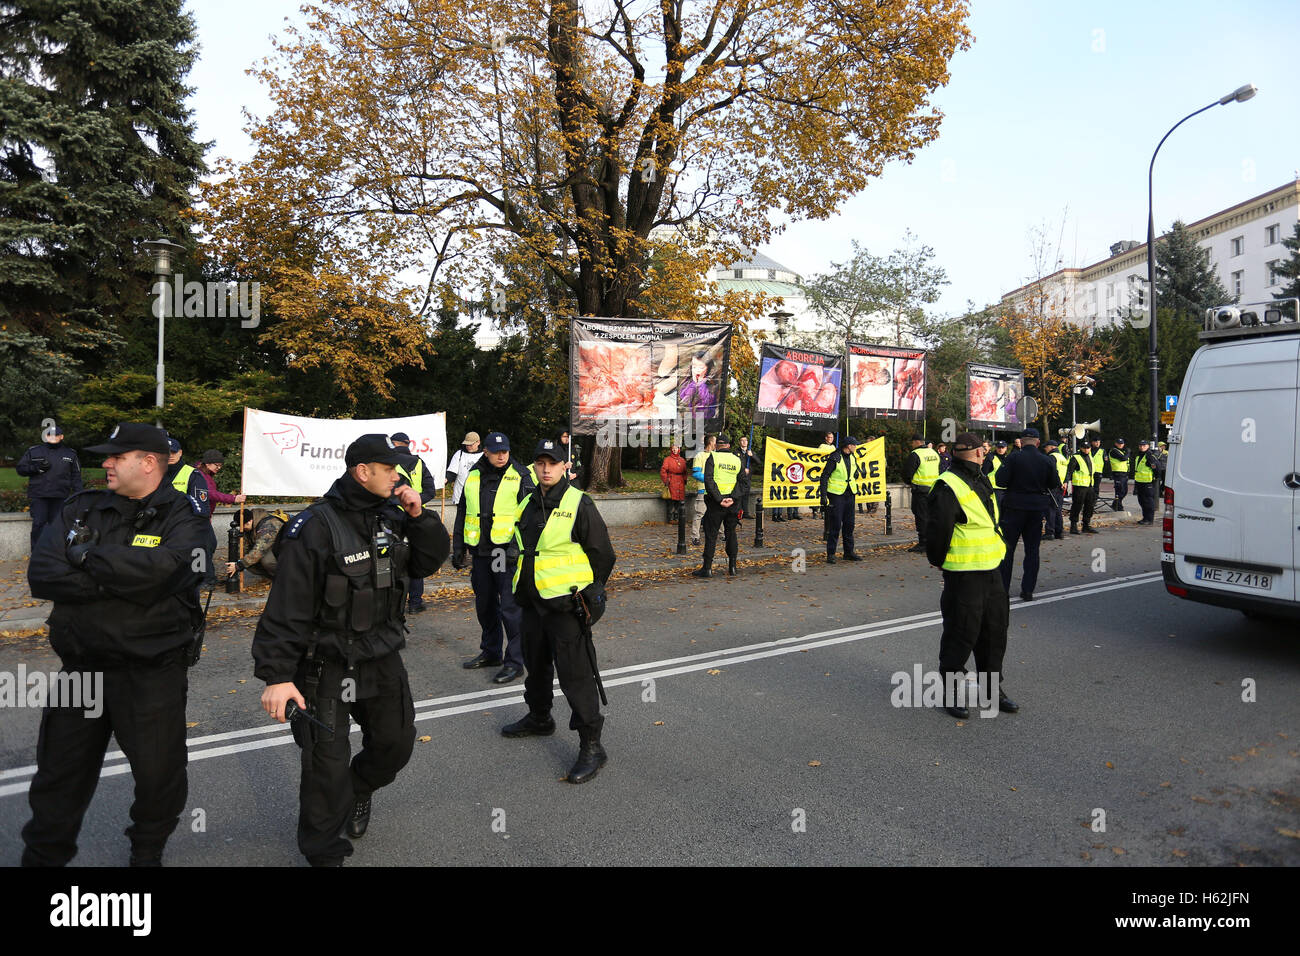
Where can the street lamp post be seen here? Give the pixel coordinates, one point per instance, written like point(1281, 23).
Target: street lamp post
point(163, 251)
point(1239, 95)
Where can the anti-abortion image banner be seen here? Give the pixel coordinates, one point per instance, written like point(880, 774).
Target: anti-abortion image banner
point(287, 455)
point(995, 397)
point(886, 382)
point(798, 388)
point(649, 377)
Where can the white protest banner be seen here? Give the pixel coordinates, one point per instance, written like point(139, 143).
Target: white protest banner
point(290, 456)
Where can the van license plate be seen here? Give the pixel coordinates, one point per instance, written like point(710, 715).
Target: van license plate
point(1243, 579)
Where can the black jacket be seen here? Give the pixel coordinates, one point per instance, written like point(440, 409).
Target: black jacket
point(304, 554)
point(1029, 477)
point(196, 488)
point(52, 471)
point(133, 600)
point(489, 480)
point(588, 530)
point(944, 511)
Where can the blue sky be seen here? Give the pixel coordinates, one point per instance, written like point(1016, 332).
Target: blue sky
point(1051, 118)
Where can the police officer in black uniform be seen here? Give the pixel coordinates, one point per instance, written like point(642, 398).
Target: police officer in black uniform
point(330, 635)
point(120, 567)
point(1030, 479)
point(53, 474)
point(196, 487)
point(838, 504)
point(555, 643)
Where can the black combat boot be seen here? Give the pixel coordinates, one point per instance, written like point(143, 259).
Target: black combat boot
point(360, 818)
point(591, 757)
point(531, 725)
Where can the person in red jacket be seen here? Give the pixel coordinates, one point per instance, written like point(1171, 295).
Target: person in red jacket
point(673, 474)
point(208, 465)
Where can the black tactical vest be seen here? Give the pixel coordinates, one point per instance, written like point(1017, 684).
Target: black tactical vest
point(365, 580)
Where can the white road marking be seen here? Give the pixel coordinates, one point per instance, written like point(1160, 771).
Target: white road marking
point(455, 704)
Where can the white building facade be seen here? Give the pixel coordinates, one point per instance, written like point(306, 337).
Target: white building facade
point(1243, 243)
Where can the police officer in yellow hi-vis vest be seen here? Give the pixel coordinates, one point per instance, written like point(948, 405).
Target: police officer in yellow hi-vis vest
point(187, 480)
point(836, 494)
point(721, 506)
point(413, 472)
point(485, 529)
point(1079, 473)
point(564, 556)
point(920, 470)
point(964, 539)
point(1054, 527)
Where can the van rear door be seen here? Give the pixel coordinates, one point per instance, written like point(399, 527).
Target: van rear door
point(1234, 516)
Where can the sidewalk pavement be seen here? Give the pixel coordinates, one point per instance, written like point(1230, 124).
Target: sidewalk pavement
point(646, 552)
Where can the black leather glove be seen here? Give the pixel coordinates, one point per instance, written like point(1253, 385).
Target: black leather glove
point(458, 560)
point(42, 465)
point(79, 542)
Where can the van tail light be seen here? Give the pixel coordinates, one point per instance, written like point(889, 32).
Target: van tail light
point(1167, 523)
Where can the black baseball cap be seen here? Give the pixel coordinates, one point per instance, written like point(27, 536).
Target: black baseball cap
point(496, 441)
point(848, 440)
point(1144, 441)
point(1119, 441)
point(1000, 443)
point(724, 440)
point(546, 448)
point(132, 436)
point(917, 438)
point(173, 446)
point(967, 441)
point(400, 436)
point(1030, 433)
point(373, 449)
point(1049, 440)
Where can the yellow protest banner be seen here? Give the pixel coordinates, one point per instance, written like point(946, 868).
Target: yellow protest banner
point(792, 474)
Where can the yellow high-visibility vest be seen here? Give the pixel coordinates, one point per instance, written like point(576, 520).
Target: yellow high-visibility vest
point(1082, 471)
point(1142, 470)
point(1062, 463)
point(181, 480)
point(560, 564)
point(928, 473)
point(839, 479)
point(726, 469)
point(503, 507)
point(976, 544)
point(415, 480)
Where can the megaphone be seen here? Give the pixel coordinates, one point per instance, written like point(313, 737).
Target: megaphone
point(1081, 429)
point(1063, 432)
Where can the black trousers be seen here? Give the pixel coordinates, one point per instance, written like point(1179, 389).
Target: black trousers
point(554, 645)
point(144, 708)
point(1081, 500)
point(840, 519)
point(1017, 524)
point(920, 510)
point(714, 516)
point(976, 611)
point(1053, 525)
point(332, 779)
point(498, 614)
point(1121, 489)
point(1146, 495)
point(43, 511)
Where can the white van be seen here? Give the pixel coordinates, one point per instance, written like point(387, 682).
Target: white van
point(1232, 482)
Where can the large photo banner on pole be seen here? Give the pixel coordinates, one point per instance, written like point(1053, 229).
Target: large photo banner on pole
point(995, 397)
point(886, 382)
point(291, 456)
point(631, 379)
point(799, 388)
point(792, 474)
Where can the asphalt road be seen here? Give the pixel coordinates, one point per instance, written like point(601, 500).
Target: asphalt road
point(750, 722)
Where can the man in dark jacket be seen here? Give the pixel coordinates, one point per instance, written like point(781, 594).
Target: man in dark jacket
point(413, 471)
point(189, 481)
point(53, 474)
point(564, 548)
point(963, 539)
point(330, 637)
point(119, 566)
point(485, 528)
point(1030, 478)
point(836, 495)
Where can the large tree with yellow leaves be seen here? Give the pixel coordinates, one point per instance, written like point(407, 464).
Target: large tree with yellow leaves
point(610, 153)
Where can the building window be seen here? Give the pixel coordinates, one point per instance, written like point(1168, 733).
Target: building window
point(1238, 246)
point(1274, 277)
point(771, 274)
point(1238, 279)
point(1270, 235)
point(738, 273)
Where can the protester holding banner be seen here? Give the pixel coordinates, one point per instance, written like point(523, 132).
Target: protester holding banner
point(836, 495)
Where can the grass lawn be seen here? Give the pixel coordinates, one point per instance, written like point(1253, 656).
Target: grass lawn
point(10, 480)
point(640, 481)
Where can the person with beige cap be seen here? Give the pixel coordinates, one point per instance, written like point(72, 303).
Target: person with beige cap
point(462, 463)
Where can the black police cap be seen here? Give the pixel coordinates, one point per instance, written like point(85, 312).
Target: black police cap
point(551, 448)
point(133, 436)
point(373, 449)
